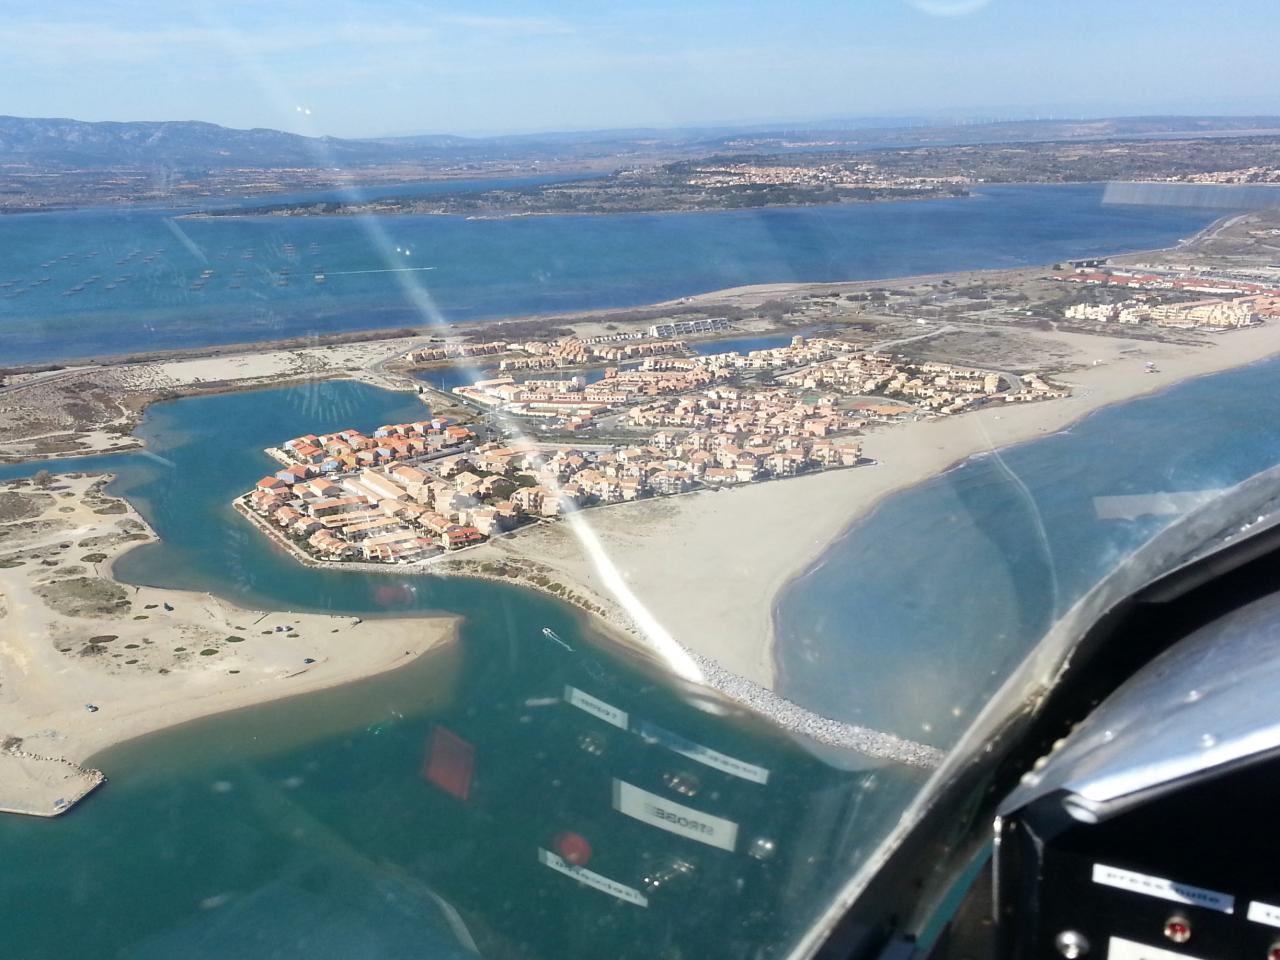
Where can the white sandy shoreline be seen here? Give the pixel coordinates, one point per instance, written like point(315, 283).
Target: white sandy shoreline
point(709, 567)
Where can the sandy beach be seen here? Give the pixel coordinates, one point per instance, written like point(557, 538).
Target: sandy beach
point(709, 566)
point(145, 658)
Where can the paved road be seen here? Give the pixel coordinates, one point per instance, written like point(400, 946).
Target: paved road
point(886, 344)
point(43, 380)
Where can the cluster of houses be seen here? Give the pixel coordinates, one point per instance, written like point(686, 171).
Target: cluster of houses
point(575, 404)
point(935, 388)
point(456, 351)
point(343, 450)
point(1233, 302)
point(1211, 312)
point(575, 352)
point(806, 364)
point(841, 174)
point(1184, 279)
point(409, 491)
point(736, 436)
point(717, 458)
point(736, 412)
point(549, 355)
point(800, 352)
point(400, 511)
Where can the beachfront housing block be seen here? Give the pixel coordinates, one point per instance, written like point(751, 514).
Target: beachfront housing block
point(1239, 312)
point(1204, 313)
point(685, 328)
point(455, 351)
point(1235, 302)
point(1096, 312)
point(549, 355)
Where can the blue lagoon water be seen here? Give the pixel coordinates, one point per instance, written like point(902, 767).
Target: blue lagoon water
point(150, 292)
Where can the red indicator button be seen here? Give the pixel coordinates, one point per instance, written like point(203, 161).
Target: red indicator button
point(1178, 929)
point(450, 763)
point(572, 848)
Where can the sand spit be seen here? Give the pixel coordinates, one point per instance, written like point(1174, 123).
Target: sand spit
point(86, 663)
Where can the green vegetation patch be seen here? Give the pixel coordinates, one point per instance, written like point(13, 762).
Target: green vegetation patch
point(235, 639)
point(22, 506)
point(85, 597)
point(208, 652)
point(93, 558)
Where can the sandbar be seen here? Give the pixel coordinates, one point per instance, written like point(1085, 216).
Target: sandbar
point(88, 663)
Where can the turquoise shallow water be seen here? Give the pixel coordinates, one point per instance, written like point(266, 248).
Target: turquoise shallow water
point(306, 827)
point(150, 292)
point(911, 620)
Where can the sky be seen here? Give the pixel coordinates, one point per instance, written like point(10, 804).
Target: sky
point(386, 67)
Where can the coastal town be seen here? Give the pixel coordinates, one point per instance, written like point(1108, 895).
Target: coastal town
point(741, 431)
point(847, 175)
point(1233, 301)
point(408, 492)
point(606, 414)
point(687, 482)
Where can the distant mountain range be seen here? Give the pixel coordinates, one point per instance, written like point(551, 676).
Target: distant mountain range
point(62, 143)
point(172, 143)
